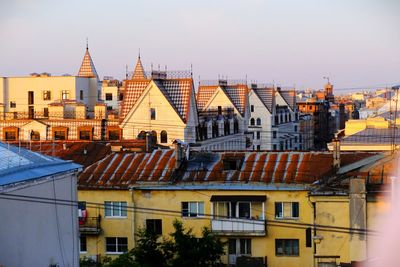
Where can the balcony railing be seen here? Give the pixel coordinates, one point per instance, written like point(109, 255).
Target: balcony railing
point(235, 226)
point(90, 226)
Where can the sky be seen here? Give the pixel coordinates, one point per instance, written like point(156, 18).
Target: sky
point(356, 43)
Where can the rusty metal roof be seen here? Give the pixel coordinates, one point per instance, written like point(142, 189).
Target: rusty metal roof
point(124, 170)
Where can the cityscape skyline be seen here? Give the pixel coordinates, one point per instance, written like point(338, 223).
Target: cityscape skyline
point(232, 39)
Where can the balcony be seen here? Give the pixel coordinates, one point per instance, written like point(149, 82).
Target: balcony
point(90, 226)
point(238, 226)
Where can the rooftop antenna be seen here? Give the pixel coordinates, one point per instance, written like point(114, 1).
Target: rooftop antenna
point(87, 43)
point(151, 66)
point(191, 70)
point(139, 53)
point(126, 72)
point(326, 78)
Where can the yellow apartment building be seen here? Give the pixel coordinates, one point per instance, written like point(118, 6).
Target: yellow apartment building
point(265, 205)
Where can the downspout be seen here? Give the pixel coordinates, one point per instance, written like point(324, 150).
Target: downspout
point(133, 221)
point(313, 206)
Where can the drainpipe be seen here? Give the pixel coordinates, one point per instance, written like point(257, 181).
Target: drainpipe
point(133, 221)
point(336, 154)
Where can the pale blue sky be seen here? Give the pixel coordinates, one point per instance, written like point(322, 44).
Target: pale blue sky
point(354, 42)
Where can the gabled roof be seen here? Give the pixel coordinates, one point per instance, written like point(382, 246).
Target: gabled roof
point(87, 68)
point(123, 170)
point(267, 97)
point(290, 97)
point(177, 92)
point(236, 93)
point(139, 72)
point(19, 165)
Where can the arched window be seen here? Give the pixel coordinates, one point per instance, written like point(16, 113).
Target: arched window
point(258, 121)
point(252, 121)
point(142, 135)
point(164, 137)
point(153, 135)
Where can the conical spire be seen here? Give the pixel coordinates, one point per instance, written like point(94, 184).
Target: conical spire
point(139, 73)
point(87, 68)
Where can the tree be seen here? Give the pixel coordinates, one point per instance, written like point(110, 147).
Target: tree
point(182, 249)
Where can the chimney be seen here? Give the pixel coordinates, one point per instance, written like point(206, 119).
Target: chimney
point(179, 154)
point(336, 153)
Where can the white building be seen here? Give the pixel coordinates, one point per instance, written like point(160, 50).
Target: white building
point(274, 119)
point(39, 224)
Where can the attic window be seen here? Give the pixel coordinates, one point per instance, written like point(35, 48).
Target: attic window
point(232, 164)
point(152, 113)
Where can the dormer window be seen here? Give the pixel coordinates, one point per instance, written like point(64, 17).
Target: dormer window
point(232, 164)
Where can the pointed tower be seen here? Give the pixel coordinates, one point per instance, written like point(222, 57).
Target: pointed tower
point(139, 73)
point(87, 68)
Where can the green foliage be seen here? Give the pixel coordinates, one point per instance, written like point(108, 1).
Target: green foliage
point(181, 249)
point(88, 262)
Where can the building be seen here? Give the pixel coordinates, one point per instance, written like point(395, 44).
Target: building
point(31, 96)
point(273, 118)
point(165, 104)
point(306, 132)
point(111, 95)
point(39, 219)
point(259, 202)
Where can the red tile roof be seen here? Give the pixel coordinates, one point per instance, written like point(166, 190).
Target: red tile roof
point(122, 170)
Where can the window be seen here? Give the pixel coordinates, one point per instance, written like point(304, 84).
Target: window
point(154, 226)
point(109, 108)
point(121, 96)
point(252, 121)
point(81, 94)
point(287, 247)
point(46, 112)
point(65, 94)
point(10, 135)
point(115, 208)
point(46, 95)
point(84, 135)
point(30, 98)
point(82, 244)
point(164, 137)
point(152, 113)
point(252, 108)
point(258, 147)
point(59, 135)
point(35, 135)
point(274, 134)
point(295, 128)
point(219, 110)
point(13, 104)
point(192, 209)
point(117, 245)
point(240, 246)
point(274, 147)
point(113, 135)
point(258, 135)
point(258, 121)
point(244, 210)
point(109, 97)
point(287, 210)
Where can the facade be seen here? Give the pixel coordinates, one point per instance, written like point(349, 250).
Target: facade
point(111, 95)
point(31, 96)
point(252, 200)
point(168, 107)
point(35, 230)
point(306, 132)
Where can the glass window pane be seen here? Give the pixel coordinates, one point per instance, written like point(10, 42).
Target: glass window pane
point(279, 247)
point(111, 244)
point(122, 244)
point(242, 246)
point(193, 209)
point(123, 209)
point(249, 246)
point(295, 244)
point(185, 209)
point(278, 210)
point(288, 248)
point(201, 209)
point(116, 211)
point(295, 209)
point(232, 246)
point(244, 210)
point(107, 207)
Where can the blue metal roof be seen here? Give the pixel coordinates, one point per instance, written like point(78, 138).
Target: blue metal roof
point(19, 165)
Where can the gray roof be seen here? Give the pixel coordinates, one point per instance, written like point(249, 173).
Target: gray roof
point(372, 136)
point(20, 165)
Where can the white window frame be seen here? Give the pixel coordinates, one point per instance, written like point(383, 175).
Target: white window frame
point(116, 245)
point(198, 215)
point(285, 216)
point(115, 205)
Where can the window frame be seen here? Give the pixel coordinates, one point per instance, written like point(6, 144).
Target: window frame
point(117, 245)
point(113, 206)
point(294, 210)
point(186, 212)
point(13, 104)
point(108, 96)
point(46, 95)
point(65, 95)
point(156, 224)
point(283, 245)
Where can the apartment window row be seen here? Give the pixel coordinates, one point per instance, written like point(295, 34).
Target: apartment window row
point(116, 209)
